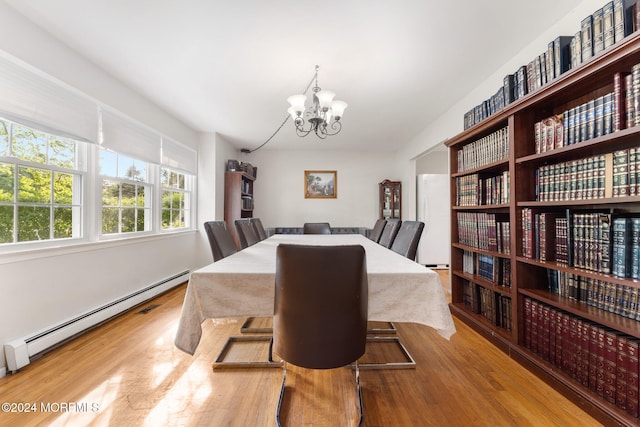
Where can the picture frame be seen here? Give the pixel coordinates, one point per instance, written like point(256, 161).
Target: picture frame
point(320, 184)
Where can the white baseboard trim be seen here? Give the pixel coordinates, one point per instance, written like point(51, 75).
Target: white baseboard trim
point(18, 352)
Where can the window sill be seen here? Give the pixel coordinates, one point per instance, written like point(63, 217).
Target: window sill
point(18, 253)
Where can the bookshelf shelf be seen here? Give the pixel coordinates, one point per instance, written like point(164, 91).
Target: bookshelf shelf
point(545, 283)
point(580, 271)
point(486, 169)
point(585, 311)
point(483, 282)
point(481, 251)
point(501, 207)
point(606, 202)
point(624, 138)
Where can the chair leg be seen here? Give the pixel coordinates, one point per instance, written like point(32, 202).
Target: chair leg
point(361, 407)
point(281, 398)
point(358, 392)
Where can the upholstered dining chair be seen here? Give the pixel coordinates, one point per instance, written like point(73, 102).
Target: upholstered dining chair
point(320, 309)
point(407, 239)
point(258, 228)
point(316, 228)
point(389, 232)
point(220, 239)
point(246, 233)
point(376, 231)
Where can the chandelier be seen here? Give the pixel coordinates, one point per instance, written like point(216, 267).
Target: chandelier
point(321, 118)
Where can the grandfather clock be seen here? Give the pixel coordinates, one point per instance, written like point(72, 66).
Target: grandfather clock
point(390, 199)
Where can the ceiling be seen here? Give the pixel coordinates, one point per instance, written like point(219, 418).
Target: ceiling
point(228, 66)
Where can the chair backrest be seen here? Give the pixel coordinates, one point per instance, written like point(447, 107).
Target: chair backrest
point(376, 231)
point(406, 241)
point(316, 228)
point(246, 233)
point(220, 239)
point(389, 232)
point(321, 303)
point(259, 229)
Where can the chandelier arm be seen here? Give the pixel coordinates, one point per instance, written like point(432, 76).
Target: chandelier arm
point(336, 126)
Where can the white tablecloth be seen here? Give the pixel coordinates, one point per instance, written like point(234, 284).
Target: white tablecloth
point(242, 284)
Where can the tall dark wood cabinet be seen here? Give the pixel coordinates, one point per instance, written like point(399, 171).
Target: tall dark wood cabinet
point(238, 199)
point(390, 199)
point(539, 233)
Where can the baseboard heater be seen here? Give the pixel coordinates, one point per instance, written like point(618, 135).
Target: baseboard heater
point(18, 352)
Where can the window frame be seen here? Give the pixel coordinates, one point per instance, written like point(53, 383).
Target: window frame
point(188, 196)
point(78, 203)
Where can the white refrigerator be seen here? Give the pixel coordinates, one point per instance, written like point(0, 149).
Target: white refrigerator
point(433, 209)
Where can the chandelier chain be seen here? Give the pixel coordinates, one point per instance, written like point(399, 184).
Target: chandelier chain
point(314, 78)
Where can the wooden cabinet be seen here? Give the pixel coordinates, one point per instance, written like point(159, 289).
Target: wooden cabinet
point(390, 199)
point(551, 311)
point(238, 199)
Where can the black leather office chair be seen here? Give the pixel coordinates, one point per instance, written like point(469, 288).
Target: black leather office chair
point(316, 228)
point(220, 239)
point(406, 241)
point(258, 228)
point(246, 233)
point(376, 231)
point(321, 307)
point(389, 232)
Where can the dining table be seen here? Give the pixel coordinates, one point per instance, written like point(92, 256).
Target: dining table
point(243, 284)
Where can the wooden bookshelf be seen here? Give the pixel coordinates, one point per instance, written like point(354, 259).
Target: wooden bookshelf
point(530, 276)
point(238, 199)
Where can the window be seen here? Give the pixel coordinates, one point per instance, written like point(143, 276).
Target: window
point(40, 185)
point(126, 194)
point(176, 199)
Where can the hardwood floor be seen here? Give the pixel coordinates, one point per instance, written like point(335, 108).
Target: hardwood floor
point(128, 372)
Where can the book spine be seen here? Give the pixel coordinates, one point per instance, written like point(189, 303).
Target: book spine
point(632, 378)
point(610, 360)
point(586, 28)
point(598, 31)
point(622, 363)
point(608, 27)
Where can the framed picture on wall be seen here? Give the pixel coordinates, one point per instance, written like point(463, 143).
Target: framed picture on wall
point(320, 184)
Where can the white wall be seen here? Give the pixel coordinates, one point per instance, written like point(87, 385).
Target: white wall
point(451, 122)
point(279, 188)
point(44, 288)
point(213, 152)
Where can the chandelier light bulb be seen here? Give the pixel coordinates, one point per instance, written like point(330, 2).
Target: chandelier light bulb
point(338, 107)
point(297, 102)
point(324, 99)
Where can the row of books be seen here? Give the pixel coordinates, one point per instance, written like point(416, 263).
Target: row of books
point(494, 307)
point(494, 269)
point(578, 239)
point(589, 120)
point(471, 190)
point(596, 241)
point(611, 297)
point(629, 84)
point(485, 231)
point(247, 202)
point(487, 108)
point(607, 26)
point(601, 359)
point(614, 174)
point(600, 116)
point(490, 149)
